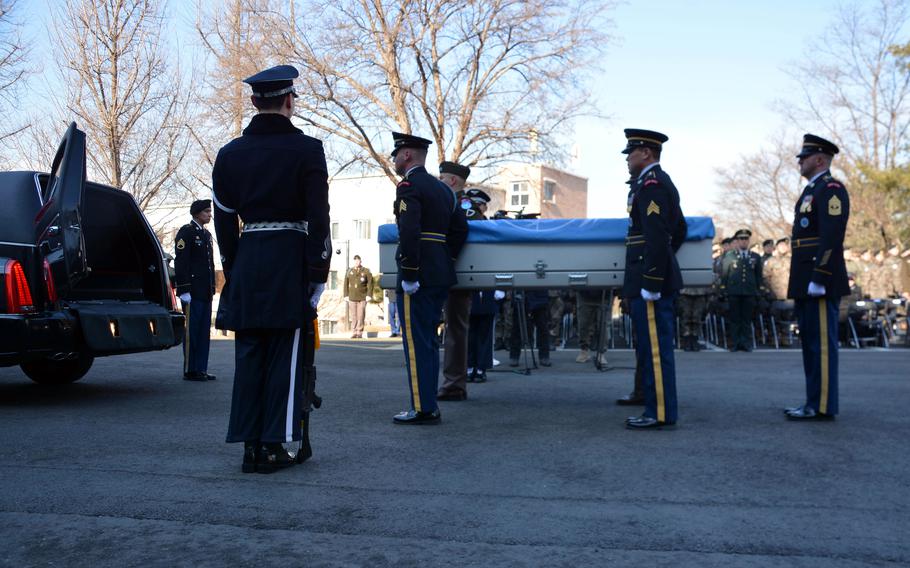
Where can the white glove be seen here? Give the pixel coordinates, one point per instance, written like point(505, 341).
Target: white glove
point(498, 295)
point(410, 287)
point(315, 291)
point(346, 299)
point(186, 298)
point(816, 290)
point(650, 296)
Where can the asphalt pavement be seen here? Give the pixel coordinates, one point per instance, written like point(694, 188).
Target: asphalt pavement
point(129, 467)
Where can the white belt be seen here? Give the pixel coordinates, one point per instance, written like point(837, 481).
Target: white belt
point(300, 226)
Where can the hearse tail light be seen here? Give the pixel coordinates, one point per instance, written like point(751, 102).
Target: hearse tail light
point(18, 295)
point(49, 282)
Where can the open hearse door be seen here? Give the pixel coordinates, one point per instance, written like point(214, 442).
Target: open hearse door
point(59, 224)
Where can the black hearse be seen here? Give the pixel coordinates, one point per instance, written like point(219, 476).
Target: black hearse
point(82, 274)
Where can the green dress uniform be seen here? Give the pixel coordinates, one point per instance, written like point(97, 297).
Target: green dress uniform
point(742, 283)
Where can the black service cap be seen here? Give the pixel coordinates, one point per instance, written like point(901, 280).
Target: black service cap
point(636, 138)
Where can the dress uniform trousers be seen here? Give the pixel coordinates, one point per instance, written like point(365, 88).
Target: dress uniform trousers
point(741, 310)
point(268, 384)
point(196, 339)
point(480, 342)
point(818, 335)
point(654, 324)
point(420, 313)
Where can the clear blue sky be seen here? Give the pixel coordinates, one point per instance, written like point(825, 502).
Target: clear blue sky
point(705, 72)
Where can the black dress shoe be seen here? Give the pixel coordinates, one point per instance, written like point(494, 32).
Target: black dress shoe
point(414, 417)
point(808, 413)
point(545, 363)
point(195, 376)
point(250, 456)
point(793, 409)
point(630, 400)
point(645, 422)
point(451, 395)
point(481, 377)
point(210, 377)
point(273, 457)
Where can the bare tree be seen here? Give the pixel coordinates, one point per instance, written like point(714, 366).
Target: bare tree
point(231, 36)
point(123, 91)
point(487, 80)
point(13, 53)
point(761, 190)
point(854, 89)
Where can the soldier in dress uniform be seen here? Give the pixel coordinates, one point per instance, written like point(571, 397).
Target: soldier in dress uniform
point(274, 179)
point(818, 276)
point(742, 282)
point(194, 267)
point(358, 288)
point(457, 308)
point(652, 276)
point(431, 231)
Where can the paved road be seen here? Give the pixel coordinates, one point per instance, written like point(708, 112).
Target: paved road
point(128, 467)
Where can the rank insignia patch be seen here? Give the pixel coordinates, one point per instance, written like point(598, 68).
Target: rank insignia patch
point(181, 245)
point(834, 206)
point(402, 206)
point(653, 208)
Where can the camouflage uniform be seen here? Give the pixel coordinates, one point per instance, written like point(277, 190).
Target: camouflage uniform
point(692, 305)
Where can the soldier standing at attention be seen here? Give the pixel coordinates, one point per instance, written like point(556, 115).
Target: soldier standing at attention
point(457, 310)
point(818, 276)
point(274, 179)
point(195, 278)
point(431, 231)
point(358, 287)
point(742, 282)
point(652, 276)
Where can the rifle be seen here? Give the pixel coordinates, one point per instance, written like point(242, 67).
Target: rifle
point(310, 399)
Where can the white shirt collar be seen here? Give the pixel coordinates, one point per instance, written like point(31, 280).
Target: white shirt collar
point(647, 168)
point(411, 169)
point(195, 222)
point(816, 176)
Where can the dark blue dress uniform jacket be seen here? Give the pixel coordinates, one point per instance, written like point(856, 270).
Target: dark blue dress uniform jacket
point(272, 173)
point(819, 225)
point(655, 224)
point(431, 230)
point(194, 262)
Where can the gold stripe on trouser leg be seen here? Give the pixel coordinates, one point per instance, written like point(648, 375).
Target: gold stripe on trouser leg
point(823, 337)
point(655, 362)
point(186, 342)
point(415, 386)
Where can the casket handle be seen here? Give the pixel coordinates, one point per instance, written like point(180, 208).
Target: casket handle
point(578, 279)
point(504, 280)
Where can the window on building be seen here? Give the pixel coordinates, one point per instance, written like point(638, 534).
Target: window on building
point(336, 231)
point(549, 191)
point(519, 193)
point(333, 280)
point(362, 229)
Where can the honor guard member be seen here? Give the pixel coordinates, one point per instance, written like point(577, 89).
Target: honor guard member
point(652, 276)
point(457, 310)
point(741, 283)
point(273, 179)
point(818, 275)
point(431, 231)
point(194, 267)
